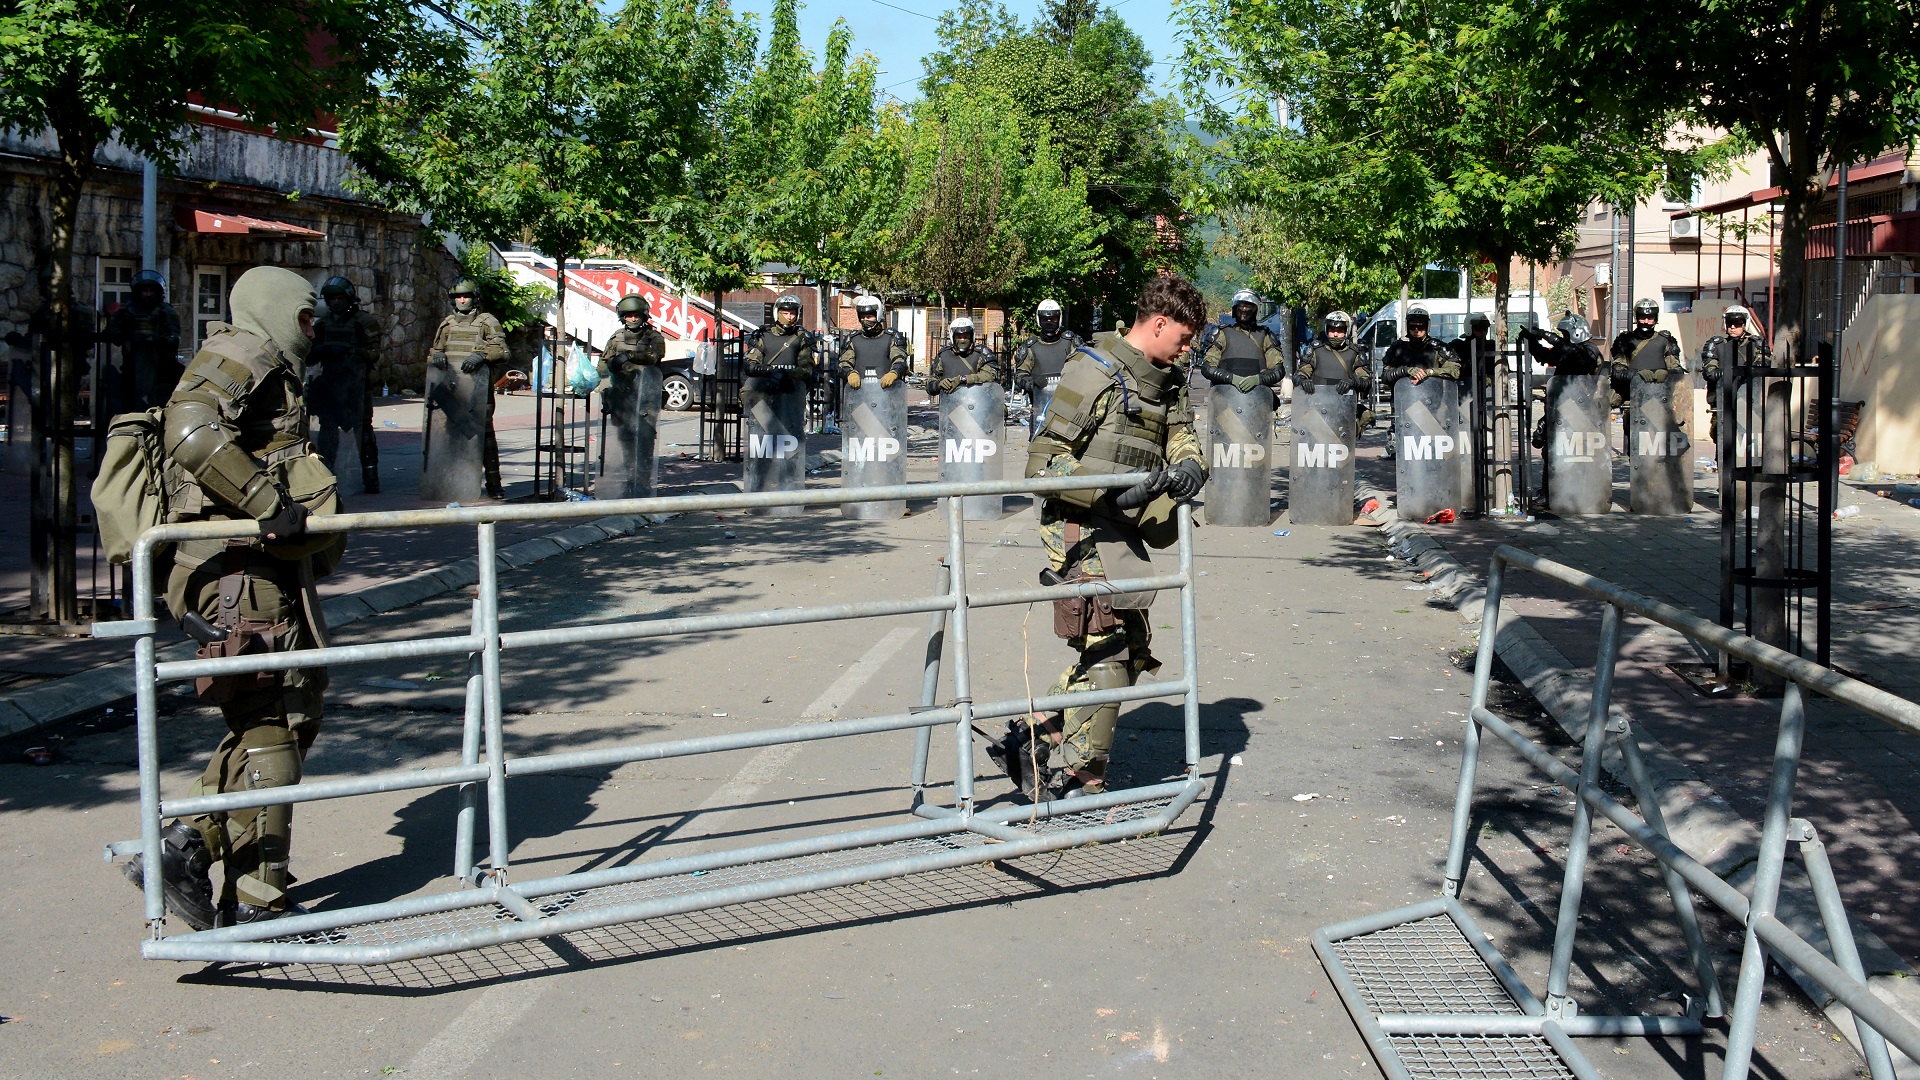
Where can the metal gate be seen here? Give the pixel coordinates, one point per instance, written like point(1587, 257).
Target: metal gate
point(492, 912)
point(1435, 999)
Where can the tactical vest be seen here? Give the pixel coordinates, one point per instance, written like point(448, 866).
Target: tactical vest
point(781, 349)
point(1651, 354)
point(1570, 360)
point(337, 337)
point(466, 335)
point(1331, 365)
point(245, 375)
point(949, 364)
point(152, 326)
point(1243, 351)
point(1722, 352)
point(1133, 434)
point(1050, 357)
point(1466, 349)
point(872, 353)
point(643, 346)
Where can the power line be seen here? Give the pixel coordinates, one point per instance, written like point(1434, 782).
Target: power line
point(910, 11)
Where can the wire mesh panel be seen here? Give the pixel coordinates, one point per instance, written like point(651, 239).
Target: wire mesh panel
point(1425, 966)
point(1479, 1057)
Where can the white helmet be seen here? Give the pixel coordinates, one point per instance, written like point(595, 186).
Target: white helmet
point(1048, 306)
point(868, 303)
point(959, 324)
point(1736, 309)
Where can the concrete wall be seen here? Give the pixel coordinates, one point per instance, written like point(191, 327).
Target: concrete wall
point(401, 269)
point(1880, 365)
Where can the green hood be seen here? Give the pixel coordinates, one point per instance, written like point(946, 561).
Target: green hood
point(268, 300)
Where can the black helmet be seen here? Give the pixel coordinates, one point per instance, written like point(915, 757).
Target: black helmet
point(633, 304)
point(1478, 319)
point(148, 290)
point(1574, 328)
point(1418, 319)
point(149, 277)
point(1644, 308)
point(336, 286)
point(466, 286)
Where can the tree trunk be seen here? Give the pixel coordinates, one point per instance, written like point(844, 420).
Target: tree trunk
point(1789, 310)
point(63, 390)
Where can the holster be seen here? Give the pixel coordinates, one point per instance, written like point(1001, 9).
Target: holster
point(1081, 616)
point(245, 637)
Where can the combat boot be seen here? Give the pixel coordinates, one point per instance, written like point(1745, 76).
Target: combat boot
point(243, 913)
point(370, 480)
point(1023, 757)
point(184, 862)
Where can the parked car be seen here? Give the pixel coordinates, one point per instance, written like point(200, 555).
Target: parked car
point(677, 384)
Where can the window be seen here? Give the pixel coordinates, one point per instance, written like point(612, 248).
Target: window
point(1676, 300)
point(1680, 192)
point(209, 300)
point(115, 284)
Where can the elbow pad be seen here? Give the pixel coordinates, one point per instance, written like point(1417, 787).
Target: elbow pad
point(196, 441)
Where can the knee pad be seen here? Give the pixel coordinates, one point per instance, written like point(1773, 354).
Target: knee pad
point(272, 757)
point(1109, 675)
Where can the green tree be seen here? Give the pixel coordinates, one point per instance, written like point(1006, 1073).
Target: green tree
point(90, 70)
point(1814, 82)
point(566, 126)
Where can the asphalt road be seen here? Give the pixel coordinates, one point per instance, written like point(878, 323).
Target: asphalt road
point(1325, 673)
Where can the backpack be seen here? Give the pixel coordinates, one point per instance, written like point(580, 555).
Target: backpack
point(129, 495)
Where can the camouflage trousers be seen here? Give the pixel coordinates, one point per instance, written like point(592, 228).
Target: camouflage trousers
point(272, 721)
point(1114, 654)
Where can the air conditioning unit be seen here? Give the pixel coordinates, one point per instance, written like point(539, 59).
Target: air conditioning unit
point(1685, 228)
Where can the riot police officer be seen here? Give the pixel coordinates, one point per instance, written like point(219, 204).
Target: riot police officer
point(1570, 351)
point(637, 343)
point(236, 449)
point(147, 332)
point(340, 376)
point(473, 340)
point(1416, 357)
point(1643, 351)
point(1334, 362)
point(874, 348)
point(961, 362)
point(783, 353)
point(1476, 351)
point(1243, 353)
point(1121, 406)
point(1038, 361)
point(1738, 345)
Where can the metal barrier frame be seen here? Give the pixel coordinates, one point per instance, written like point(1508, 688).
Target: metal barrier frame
point(488, 772)
point(1876, 1022)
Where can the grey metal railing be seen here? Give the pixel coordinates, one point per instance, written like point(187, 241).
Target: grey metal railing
point(1841, 975)
point(495, 912)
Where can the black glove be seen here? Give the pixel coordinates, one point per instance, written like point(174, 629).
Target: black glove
point(1143, 492)
point(1305, 387)
point(1273, 377)
point(291, 521)
point(1344, 386)
point(441, 362)
point(1185, 479)
point(1214, 375)
point(759, 371)
point(472, 364)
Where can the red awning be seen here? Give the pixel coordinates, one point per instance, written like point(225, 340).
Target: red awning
point(1890, 164)
point(1870, 237)
point(229, 223)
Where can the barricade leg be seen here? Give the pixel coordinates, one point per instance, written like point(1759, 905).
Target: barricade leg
point(1189, 639)
point(930, 685)
point(1833, 915)
point(497, 844)
point(962, 667)
point(1574, 885)
point(1683, 909)
point(1470, 748)
point(1766, 883)
point(469, 755)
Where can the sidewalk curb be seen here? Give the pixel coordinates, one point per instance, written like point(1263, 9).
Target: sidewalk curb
point(1699, 821)
point(96, 688)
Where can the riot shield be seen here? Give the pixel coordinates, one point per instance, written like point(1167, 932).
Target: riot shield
point(1240, 441)
point(336, 399)
point(1426, 421)
point(456, 433)
point(1042, 400)
point(1320, 481)
point(873, 444)
point(775, 412)
point(1662, 478)
point(973, 421)
point(630, 413)
point(1579, 454)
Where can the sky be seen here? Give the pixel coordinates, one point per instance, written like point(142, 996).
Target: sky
point(899, 32)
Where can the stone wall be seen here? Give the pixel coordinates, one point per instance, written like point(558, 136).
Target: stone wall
point(402, 270)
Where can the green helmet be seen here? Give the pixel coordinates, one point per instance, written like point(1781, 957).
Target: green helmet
point(466, 286)
point(336, 286)
point(633, 304)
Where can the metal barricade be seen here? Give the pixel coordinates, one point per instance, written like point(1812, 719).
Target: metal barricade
point(492, 912)
point(1433, 997)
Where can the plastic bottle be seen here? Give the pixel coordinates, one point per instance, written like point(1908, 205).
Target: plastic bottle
point(1847, 512)
point(1866, 472)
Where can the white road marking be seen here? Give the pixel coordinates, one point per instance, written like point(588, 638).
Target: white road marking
point(460, 1045)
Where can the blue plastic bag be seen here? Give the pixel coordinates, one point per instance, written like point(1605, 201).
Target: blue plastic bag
point(584, 375)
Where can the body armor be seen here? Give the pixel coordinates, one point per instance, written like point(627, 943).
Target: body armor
point(949, 364)
point(1650, 353)
point(464, 335)
point(1243, 352)
point(1331, 365)
point(1722, 352)
point(1133, 434)
point(873, 353)
point(644, 346)
point(779, 350)
point(1050, 357)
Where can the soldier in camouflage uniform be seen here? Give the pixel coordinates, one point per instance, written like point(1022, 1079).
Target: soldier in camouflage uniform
point(637, 343)
point(1121, 407)
point(1737, 346)
point(783, 356)
point(1040, 359)
point(961, 362)
point(340, 376)
point(1334, 362)
point(1243, 353)
point(1644, 352)
point(473, 339)
point(234, 431)
point(147, 333)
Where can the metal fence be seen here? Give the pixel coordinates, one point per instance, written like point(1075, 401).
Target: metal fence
point(1433, 997)
point(493, 912)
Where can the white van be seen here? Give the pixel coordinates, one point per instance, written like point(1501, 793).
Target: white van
point(1449, 318)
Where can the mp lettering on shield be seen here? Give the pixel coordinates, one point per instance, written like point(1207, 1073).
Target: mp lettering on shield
point(1319, 455)
point(1661, 443)
point(1234, 446)
point(775, 447)
point(973, 444)
point(873, 444)
point(1578, 445)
